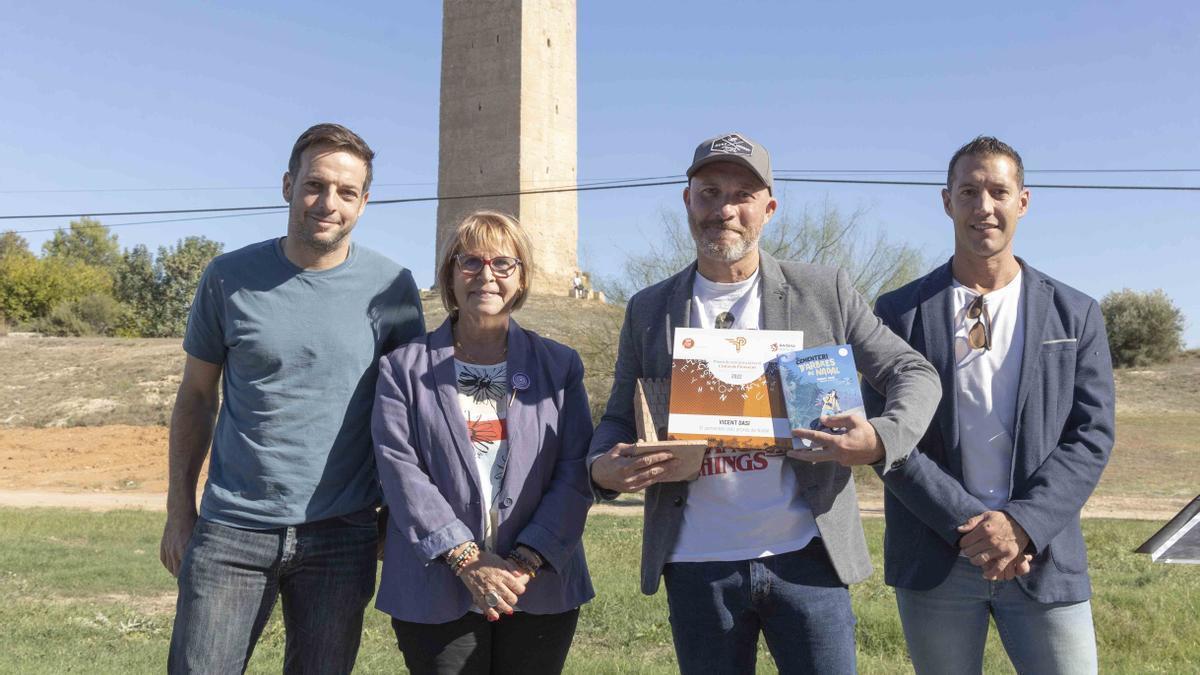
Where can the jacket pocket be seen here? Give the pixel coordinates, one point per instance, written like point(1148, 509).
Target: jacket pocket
point(1068, 552)
point(1060, 345)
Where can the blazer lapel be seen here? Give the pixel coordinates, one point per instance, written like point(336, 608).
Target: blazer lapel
point(441, 356)
point(937, 317)
point(1037, 306)
point(776, 315)
point(679, 312)
point(775, 296)
point(521, 419)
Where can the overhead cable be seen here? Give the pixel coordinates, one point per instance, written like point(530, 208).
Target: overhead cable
point(577, 188)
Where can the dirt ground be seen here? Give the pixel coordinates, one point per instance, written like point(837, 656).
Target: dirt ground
point(92, 468)
point(121, 466)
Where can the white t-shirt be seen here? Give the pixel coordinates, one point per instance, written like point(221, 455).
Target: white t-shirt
point(483, 399)
point(717, 305)
point(745, 504)
point(986, 389)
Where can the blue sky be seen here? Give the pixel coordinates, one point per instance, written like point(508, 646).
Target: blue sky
point(134, 97)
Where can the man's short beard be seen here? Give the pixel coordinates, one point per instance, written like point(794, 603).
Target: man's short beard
point(308, 239)
point(721, 252)
point(323, 245)
point(726, 253)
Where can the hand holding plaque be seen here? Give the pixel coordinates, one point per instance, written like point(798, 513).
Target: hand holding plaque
point(650, 405)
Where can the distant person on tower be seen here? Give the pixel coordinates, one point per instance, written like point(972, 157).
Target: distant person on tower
point(289, 332)
point(983, 518)
point(772, 548)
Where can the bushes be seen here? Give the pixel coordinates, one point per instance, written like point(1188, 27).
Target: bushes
point(84, 285)
point(31, 287)
point(94, 314)
point(1143, 328)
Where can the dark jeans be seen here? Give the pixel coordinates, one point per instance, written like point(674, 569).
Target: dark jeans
point(230, 579)
point(522, 643)
point(795, 599)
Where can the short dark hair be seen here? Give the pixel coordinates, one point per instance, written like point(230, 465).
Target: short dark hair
point(984, 146)
point(336, 137)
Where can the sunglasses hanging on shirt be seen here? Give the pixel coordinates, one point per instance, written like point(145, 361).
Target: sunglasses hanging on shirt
point(980, 334)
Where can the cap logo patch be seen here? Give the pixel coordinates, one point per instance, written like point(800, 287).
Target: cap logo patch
point(733, 144)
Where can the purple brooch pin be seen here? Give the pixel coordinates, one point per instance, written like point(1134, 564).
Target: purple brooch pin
point(520, 381)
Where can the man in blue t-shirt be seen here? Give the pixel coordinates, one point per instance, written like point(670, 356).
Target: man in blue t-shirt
point(289, 332)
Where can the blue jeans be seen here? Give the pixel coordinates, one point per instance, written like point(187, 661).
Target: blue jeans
point(230, 579)
point(946, 627)
point(795, 599)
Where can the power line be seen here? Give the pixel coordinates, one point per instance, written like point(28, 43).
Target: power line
point(167, 220)
point(576, 188)
point(942, 171)
point(234, 188)
point(1040, 186)
point(598, 181)
point(405, 200)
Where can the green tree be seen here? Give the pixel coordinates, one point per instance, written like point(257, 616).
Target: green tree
point(822, 234)
point(12, 243)
point(158, 290)
point(1143, 328)
point(136, 287)
point(30, 287)
point(87, 241)
point(179, 270)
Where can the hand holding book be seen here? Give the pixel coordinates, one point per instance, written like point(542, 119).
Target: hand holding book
point(857, 444)
point(824, 402)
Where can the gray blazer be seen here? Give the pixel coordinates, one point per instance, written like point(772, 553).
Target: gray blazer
point(431, 484)
point(1064, 434)
point(822, 302)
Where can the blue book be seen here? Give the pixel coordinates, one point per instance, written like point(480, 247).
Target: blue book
point(816, 382)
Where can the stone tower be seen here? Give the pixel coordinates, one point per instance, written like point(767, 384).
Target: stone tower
point(508, 124)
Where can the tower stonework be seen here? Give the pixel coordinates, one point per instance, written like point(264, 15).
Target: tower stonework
point(509, 124)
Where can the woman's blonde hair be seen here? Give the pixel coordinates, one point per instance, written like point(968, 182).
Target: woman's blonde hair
point(489, 230)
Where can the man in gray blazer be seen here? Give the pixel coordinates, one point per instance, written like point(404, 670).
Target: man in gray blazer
point(983, 519)
point(771, 545)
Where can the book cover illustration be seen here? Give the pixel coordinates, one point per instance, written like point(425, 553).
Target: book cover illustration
point(725, 388)
point(816, 382)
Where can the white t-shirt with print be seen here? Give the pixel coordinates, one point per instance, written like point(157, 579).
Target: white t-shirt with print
point(745, 504)
point(483, 399)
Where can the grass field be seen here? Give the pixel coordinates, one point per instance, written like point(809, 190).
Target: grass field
point(84, 592)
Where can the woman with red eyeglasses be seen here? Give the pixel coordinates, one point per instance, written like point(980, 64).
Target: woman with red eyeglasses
point(481, 432)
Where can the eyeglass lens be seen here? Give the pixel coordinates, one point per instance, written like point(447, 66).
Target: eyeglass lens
point(502, 266)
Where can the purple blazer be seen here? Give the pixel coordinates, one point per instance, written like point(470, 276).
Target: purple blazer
point(431, 485)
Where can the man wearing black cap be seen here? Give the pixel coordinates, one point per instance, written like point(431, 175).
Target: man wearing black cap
point(770, 548)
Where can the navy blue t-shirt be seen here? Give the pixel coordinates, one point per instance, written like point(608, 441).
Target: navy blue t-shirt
point(299, 351)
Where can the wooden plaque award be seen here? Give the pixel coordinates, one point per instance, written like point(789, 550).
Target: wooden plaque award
point(651, 405)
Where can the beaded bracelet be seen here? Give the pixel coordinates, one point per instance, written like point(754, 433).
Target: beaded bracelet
point(463, 559)
point(527, 564)
point(522, 566)
point(458, 562)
